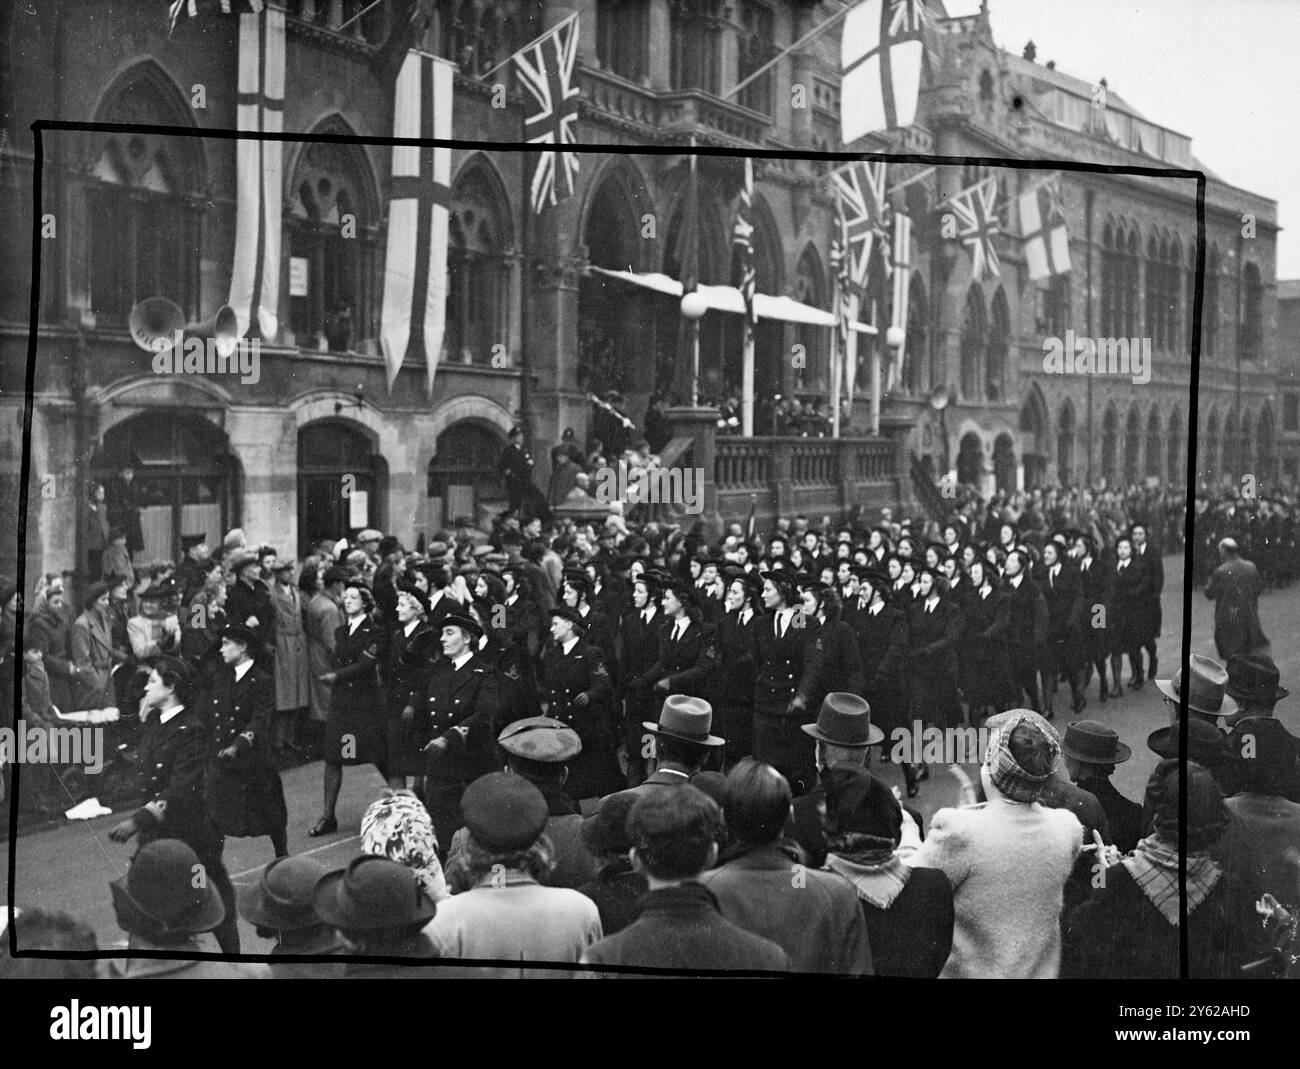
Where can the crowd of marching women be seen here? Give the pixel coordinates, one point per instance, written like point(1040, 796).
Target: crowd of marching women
point(603, 665)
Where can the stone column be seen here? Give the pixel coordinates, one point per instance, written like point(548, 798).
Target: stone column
point(700, 424)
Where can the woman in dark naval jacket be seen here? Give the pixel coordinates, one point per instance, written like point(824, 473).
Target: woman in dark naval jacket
point(841, 660)
point(354, 729)
point(982, 653)
point(412, 645)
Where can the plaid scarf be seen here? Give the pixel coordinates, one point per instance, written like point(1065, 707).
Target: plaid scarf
point(1153, 866)
point(879, 878)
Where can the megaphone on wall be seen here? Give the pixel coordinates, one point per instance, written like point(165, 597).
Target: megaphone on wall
point(154, 321)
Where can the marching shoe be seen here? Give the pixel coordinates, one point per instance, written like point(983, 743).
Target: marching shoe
point(1117, 691)
point(324, 826)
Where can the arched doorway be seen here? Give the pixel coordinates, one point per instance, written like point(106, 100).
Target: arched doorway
point(1065, 432)
point(1132, 446)
point(1174, 453)
point(1004, 463)
point(970, 460)
point(1033, 441)
point(341, 482)
point(608, 311)
point(184, 478)
point(462, 475)
point(1154, 442)
point(1110, 445)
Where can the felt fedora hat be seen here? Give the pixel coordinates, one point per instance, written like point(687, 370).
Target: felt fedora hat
point(686, 718)
point(1254, 678)
point(1206, 744)
point(284, 894)
point(1206, 688)
point(1095, 743)
point(372, 892)
point(844, 720)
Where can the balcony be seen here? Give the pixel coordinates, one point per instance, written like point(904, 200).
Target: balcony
point(816, 476)
point(712, 121)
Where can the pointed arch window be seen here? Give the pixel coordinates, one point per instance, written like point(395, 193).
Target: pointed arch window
point(478, 272)
point(999, 350)
point(974, 340)
point(144, 202)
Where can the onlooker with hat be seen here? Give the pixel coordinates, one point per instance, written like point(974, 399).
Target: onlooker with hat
point(292, 670)
point(640, 634)
point(812, 915)
point(516, 466)
point(243, 792)
point(458, 716)
point(539, 748)
point(154, 629)
point(380, 909)
point(1007, 860)
point(354, 730)
point(1261, 845)
point(166, 902)
point(280, 908)
point(1129, 928)
point(396, 825)
point(680, 742)
point(116, 558)
point(507, 912)
point(908, 911)
point(249, 603)
point(173, 756)
point(1206, 745)
point(574, 687)
point(94, 529)
point(843, 734)
point(1207, 690)
point(1235, 588)
point(675, 841)
point(1254, 683)
point(192, 573)
point(1091, 750)
point(324, 615)
point(789, 666)
point(617, 887)
point(737, 642)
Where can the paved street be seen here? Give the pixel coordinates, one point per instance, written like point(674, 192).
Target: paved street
point(68, 867)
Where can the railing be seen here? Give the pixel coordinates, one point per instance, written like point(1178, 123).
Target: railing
point(813, 462)
point(695, 108)
point(743, 463)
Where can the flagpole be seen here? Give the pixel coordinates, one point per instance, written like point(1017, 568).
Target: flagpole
point(814, 32)
point(510, 58)
point(359, 15)
point(747, 383)
point(694, 204)
point(837, 371)
point(875, 372)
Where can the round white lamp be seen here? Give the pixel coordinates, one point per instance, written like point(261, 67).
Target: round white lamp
point(694, 305)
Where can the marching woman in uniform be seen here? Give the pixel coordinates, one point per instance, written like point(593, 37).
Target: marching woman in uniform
point(575, 689)
point(933, 630)
point(882, 642)
point(789, 664)
point(1130, 586)
point(354, 730)
point(841, 660)
point(737, 642)
point(981, 655)
point(1093, 584)
point(639, 636)
point(243, 793)
point(412, 646)
point(173, 757)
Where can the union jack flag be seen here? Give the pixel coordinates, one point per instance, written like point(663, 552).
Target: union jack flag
point(977, 218)
point(546, 70)
point(843, 278)
point(742, 236)
point(194, 8)
point(860, 193)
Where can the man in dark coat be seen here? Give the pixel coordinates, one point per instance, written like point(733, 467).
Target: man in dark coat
point(789, 667)
point(1152, 620)
point(679, 925)
point(1091, 751)
point(173, 755)
point(124, 502)
point(1235, 588)
point(681, 740)
point(461, 705)
point(1060, 655)
point(516, 466)
point(243, 793)
point(574, 687)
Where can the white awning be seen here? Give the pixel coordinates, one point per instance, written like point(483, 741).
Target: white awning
point(728, 299)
